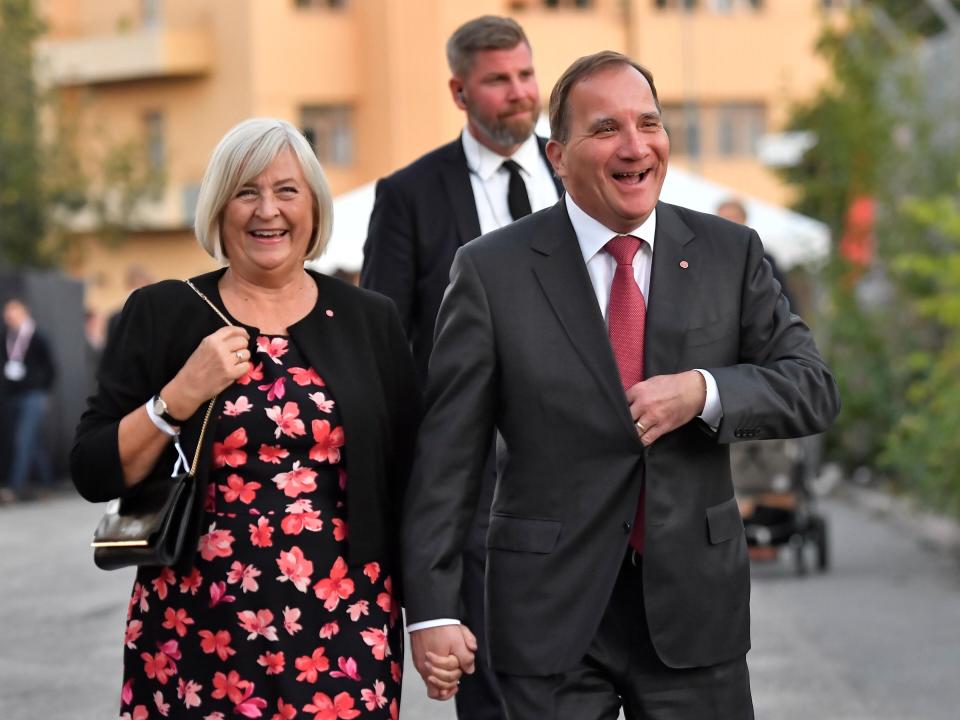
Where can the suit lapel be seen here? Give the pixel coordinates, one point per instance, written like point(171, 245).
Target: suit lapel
point(562, 274)
point(455, 177)
point(672, 282)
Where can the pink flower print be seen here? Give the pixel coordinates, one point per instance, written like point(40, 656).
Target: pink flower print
point(210, 501)
point(133, 632)
point(320, 400)
point(339, 529)
point(348, 669)
point(395, 671)
point(215, 715)
point(377, 640)
point(258, 623)
point(386, 603)
point(246, 575)
point(275, 348)
point(358, 609)
point(287, 420)
point(162, 581)
point(219, 643)
point(298, 480)
point(239, 407)
point(139, 597)
point(254, 374)
point(162, 707)
point(229, 686)
point(374, 699)
point(228, 452)
point(216, 543)
point(329, 630)
point(191, 583)
point(290, 618)
point(273, 662)
point(372, 571)
point(272, 454)
point(275, 390)
point(328, 442)
point(218, 593)
point(177, 620)
point(301, 517)
point(394, 710)
point(339, 708)
point(261, 534)
point(237, 489)
point(126, 693)
point(171, 648)
point(311, 665)
point(295, 568)
point(158, 666)
point(188, 691)
point(284, 711)
point(249, 705)
point(335, 588)
point(140, 712)
point(306, 376)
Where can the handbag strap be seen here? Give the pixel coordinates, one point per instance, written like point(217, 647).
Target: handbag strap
point(213, 400)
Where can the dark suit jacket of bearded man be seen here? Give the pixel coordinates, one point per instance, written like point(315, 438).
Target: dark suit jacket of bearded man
point(521, 345)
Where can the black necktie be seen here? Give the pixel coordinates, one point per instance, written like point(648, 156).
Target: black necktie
point(517, 199)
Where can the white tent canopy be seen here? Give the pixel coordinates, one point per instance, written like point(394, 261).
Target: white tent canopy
point(793, 239)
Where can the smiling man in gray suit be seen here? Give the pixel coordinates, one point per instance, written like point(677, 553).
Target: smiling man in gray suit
point(619, 345)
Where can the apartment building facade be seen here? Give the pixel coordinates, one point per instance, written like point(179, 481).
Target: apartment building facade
point(367, 82)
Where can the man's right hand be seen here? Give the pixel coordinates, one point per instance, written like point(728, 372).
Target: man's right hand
point(441, 654)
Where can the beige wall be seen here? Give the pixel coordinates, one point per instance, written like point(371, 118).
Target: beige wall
point(385, 58)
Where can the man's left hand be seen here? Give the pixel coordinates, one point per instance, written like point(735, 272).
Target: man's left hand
point(663, 403)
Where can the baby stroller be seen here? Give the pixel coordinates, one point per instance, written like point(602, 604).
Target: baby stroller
point(772, 482)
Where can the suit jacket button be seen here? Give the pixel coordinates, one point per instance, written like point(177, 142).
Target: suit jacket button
point(626, 526)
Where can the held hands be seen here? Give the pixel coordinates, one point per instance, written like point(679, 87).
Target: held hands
point(663, 403)
point(219, 359)
point(441, 655)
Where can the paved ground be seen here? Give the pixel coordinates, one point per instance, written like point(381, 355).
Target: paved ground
point(877, 638)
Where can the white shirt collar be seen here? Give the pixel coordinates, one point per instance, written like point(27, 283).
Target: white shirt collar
point(485, 162)
point(593, 235)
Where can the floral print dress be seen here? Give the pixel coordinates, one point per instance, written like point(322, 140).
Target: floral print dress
point(271, 622)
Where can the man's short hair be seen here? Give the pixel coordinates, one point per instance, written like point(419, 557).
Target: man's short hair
point(581, 69)
point(488, 32)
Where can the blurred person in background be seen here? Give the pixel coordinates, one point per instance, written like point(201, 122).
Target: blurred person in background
point(289, 604)
point(734, 210)
point(494, 173)
point(28, 375)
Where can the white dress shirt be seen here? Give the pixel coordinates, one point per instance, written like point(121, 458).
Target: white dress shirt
point(490, 180)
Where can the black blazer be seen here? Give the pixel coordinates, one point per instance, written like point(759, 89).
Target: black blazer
point(422, 214)
point(37, 360)
point(522, 346)
point(360, 351)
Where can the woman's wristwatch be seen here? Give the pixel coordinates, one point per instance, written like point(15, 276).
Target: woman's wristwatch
point(159, 416)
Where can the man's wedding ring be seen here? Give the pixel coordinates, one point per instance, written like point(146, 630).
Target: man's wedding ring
point(239, 354)
point(640, 427)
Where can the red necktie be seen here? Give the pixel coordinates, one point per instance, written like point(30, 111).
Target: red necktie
point(626, 319)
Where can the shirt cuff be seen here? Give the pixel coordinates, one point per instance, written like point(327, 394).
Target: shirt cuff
point(427, 624)
point(712, 409)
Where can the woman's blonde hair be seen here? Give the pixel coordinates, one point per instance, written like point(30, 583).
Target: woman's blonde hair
point(245, 152)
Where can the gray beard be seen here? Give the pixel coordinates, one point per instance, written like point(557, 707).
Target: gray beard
point(504, 135)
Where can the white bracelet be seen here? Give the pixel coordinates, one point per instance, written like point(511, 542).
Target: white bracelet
point(162, 425)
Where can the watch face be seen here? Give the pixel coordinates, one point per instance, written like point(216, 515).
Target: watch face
point(159, 406)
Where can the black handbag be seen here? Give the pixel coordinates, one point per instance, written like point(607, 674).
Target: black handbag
point(150, 528)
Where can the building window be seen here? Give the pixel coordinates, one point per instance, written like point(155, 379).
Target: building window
point(329, 4)
point(329, 130)
point(150, 12)
point(675, 4)
point(155, 143)
point(578, 4)
point(682, 122)
point(739, 128)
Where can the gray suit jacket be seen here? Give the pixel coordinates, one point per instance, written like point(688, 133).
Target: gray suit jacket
point(521, 345)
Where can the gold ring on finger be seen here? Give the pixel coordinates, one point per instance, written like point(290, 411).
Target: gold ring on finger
point(640, 427)
point(239, 354)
